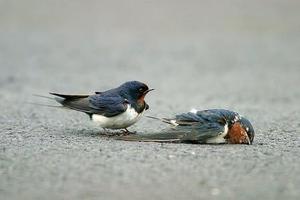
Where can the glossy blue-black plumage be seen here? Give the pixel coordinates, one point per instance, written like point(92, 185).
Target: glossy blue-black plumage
point(108, 106)
point(217, 117)
point(220, 116)
point(108, 103)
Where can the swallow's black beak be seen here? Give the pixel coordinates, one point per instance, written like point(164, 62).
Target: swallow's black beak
point(248, 140)
point(147, 91)
point(250, 137)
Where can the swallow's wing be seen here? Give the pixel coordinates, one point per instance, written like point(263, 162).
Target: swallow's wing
point(190, 127)
point(108, 106)
point(197, 133)
point(94, 104)
point(200, 117)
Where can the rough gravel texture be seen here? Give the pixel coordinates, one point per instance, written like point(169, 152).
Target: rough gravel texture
point(238, 55)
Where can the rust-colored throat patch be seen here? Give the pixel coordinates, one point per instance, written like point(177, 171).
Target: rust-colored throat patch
point(237, 135)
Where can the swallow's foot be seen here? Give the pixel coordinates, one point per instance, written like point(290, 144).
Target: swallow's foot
point(109, 133)
point(127, 132)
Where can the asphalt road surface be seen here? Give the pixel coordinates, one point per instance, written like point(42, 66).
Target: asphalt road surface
point(236, 55)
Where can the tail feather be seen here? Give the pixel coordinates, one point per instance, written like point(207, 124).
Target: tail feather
point(145, 139)
point(42, 96)
point(163, 136)
point(45, 105)
point(69, 96)
point(165, 120)
point(59, 100)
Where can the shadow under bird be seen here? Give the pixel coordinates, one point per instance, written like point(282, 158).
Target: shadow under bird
point(117, 108)
point(214, 126)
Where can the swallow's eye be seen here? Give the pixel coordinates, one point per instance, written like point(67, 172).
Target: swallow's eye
point(141, 89)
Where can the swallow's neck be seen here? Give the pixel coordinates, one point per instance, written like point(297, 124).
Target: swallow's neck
point(139, 105)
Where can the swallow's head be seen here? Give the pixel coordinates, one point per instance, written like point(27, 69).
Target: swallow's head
point(135, 90)
point(247, 126)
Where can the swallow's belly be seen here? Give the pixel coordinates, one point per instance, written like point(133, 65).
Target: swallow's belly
point(123, 120)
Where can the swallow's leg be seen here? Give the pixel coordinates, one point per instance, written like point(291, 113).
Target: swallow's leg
point(130, 132)
point(127, 132)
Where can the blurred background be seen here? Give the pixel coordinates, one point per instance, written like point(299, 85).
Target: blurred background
point(77, 46)
point(240, 55)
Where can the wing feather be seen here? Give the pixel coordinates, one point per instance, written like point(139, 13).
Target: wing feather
point(194, 133)
point(191, 127)
point(93, 104)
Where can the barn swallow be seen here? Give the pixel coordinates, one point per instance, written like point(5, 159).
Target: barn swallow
point(116, 108)
point(213, 126)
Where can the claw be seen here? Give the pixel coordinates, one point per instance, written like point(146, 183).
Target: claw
point(127, 132)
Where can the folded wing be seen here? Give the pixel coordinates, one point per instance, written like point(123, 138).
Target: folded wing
point(108, 106)
point(194, 132)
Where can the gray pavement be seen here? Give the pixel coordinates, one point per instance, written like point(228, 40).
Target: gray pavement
point(242, 56)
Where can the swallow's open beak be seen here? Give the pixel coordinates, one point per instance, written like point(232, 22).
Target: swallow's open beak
point(148, 91)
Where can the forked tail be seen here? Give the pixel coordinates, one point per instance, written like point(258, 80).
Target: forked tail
point(45, 105)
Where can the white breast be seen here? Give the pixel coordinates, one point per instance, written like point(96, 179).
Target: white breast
point(123, 120)
point(220, 138)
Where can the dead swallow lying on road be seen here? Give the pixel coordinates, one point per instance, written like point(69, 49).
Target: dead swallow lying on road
point(213, 126)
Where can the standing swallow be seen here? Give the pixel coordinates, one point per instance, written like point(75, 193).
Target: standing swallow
point(214, 126)
point(117, 108)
